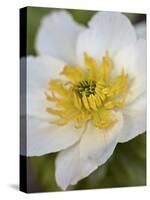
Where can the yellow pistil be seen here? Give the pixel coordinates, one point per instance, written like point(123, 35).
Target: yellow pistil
point(88, 94)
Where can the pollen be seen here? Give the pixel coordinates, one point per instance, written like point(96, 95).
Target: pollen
point(89, 93)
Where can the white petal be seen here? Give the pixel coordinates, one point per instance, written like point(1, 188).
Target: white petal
point(140, 29)
point(57, 36)
point(39, 71)
point(98, 144)
point(133, 60)
point(94, 148)
point(109, 31)
point(43, 137)
point(70, 168)
point(134, 119)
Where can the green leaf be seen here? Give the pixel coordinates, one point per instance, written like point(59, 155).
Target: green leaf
point(43, 168)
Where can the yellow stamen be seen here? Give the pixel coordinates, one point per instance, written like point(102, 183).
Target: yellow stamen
point(105, 67)
point(92, 102)
point(85, 102)
point(89, 94)
point(77, 101)
point(91, 65)
point(73, 73)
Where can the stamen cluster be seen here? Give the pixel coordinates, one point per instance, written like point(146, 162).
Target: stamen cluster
point(90, 94)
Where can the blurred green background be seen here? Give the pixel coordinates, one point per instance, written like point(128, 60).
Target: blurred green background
point(127, 165)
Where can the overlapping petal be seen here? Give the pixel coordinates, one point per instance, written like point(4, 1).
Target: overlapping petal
point(40, 70)
point(44, 137)
point(133, 60)
point(96, 142)
point(94, 148)
point(134, 119)
point(109, 31)
point(70, 168)
point(57, 36)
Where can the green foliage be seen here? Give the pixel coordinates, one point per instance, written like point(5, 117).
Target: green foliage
point(44, 170)
point(127, 165)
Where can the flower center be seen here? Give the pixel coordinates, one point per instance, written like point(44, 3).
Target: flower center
point(89, 94)
point(85, 87)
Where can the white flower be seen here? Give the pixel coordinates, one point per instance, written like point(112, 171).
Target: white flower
point(100, 100)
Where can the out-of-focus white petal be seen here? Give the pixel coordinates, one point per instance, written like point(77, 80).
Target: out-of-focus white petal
point(44, 137)
point(70, 168)
point(108, 31)
point(134, 119)
point(140, 29)
point(40, 70)
point(57, 36)
point(98, 144)
point(133, 60)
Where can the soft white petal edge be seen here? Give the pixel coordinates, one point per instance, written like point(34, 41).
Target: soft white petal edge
point(96, 142)
point(44, 138)
point(134, 119)
point(57, 36)
point(133, 60)
point(94, 149)
point(40, 70)
point(108, 31)
point(70, 168)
